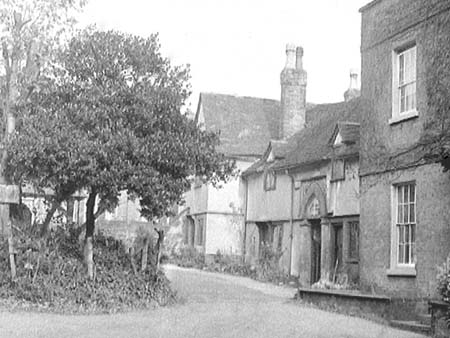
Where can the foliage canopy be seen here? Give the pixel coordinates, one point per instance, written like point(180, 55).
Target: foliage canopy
point(107, 120)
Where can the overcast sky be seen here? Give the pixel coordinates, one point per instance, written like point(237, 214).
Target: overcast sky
point(238, 46)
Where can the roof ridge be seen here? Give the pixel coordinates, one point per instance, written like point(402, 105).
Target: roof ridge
point(239, 96)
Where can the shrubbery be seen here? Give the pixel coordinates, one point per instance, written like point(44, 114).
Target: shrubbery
point(443, 279)
point(52, 275)
point(267, 268)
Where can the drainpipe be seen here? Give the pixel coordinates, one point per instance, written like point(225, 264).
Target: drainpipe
point(244, 180)
point(291, 221)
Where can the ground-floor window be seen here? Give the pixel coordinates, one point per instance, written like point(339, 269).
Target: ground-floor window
point(405, 223)
point(199, 231)
point(337, 247)
point(353, 236)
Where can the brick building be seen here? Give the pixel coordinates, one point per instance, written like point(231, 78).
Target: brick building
point(405, 232)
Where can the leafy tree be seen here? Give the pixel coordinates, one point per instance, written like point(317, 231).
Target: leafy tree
point(110, 120)
point(29, 31)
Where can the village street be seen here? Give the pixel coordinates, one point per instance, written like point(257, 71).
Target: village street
point(215, 306)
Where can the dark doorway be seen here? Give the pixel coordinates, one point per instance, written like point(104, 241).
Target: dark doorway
point(316, 245)
point(191, 231)
point(265, 233)
point(337, 249)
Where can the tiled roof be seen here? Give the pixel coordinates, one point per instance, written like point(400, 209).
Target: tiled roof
point(246, 124)
point(279, 149)
point(312, 144)
point(349, 132)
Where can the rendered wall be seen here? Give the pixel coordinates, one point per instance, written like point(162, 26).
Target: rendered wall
point(432, 230)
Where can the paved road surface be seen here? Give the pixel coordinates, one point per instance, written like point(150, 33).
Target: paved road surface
point(216, 306)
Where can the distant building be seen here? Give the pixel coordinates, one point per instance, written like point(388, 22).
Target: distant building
point(125, 221)
point(214, 221)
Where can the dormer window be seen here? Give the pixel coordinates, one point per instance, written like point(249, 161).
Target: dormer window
point(338, 170)
point(270, 180)
point(404, 84)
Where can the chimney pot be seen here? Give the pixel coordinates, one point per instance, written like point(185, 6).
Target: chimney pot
point(353, 89)
point(299, 58)
point(353, 79)
point(290, 56)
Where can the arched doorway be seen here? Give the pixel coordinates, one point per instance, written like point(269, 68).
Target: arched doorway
point(313, 211)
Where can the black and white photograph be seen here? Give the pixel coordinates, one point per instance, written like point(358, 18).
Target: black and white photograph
point(225, 169)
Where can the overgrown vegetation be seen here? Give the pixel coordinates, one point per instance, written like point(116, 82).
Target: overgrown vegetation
point(443, 279)
point(267, 268)
point(51, 275)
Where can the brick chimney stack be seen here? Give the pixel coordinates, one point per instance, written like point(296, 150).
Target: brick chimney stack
point(293, 93)
point(353, 90)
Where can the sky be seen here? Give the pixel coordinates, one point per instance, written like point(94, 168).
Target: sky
point(238, 46)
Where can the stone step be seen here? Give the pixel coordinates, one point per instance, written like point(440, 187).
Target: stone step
point(425, 319)
point(413, 326)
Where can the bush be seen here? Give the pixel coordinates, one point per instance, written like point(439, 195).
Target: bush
point(268, 268)
point(188, 257)
point(443, 279)
point(51, 275)
point(226, 264)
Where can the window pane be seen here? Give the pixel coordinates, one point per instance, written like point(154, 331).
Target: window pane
point(405, 213)
point(407, 257)
point(412, 193)
point(401, 255)
point(413, 63)
point(412, 213)
point(401, 73)
point(401, 234)
point(400, 193)
point(402, 99)
point(405, 194)
point(400, 214)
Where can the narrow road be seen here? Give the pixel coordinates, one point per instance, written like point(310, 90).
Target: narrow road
point(215, 306)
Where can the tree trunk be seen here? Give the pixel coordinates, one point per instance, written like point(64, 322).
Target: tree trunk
point(144, 254)
point(90, 227)
point(45, 229)
point(159, 244)
point(69, 211)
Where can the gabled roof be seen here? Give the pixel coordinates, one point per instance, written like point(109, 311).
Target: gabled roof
point(347, 132)
point(276, 150)
point(312, 144)
point(246, 124)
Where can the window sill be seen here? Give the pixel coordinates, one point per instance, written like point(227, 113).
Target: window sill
point(403, 117)
point(407, 271)
point(334, 180)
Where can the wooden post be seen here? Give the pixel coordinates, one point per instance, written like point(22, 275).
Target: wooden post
point(144, 254)
point(9, 194)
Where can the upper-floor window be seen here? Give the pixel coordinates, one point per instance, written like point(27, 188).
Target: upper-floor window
point(337, 170)
point(270, 180)
point(404, 84)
